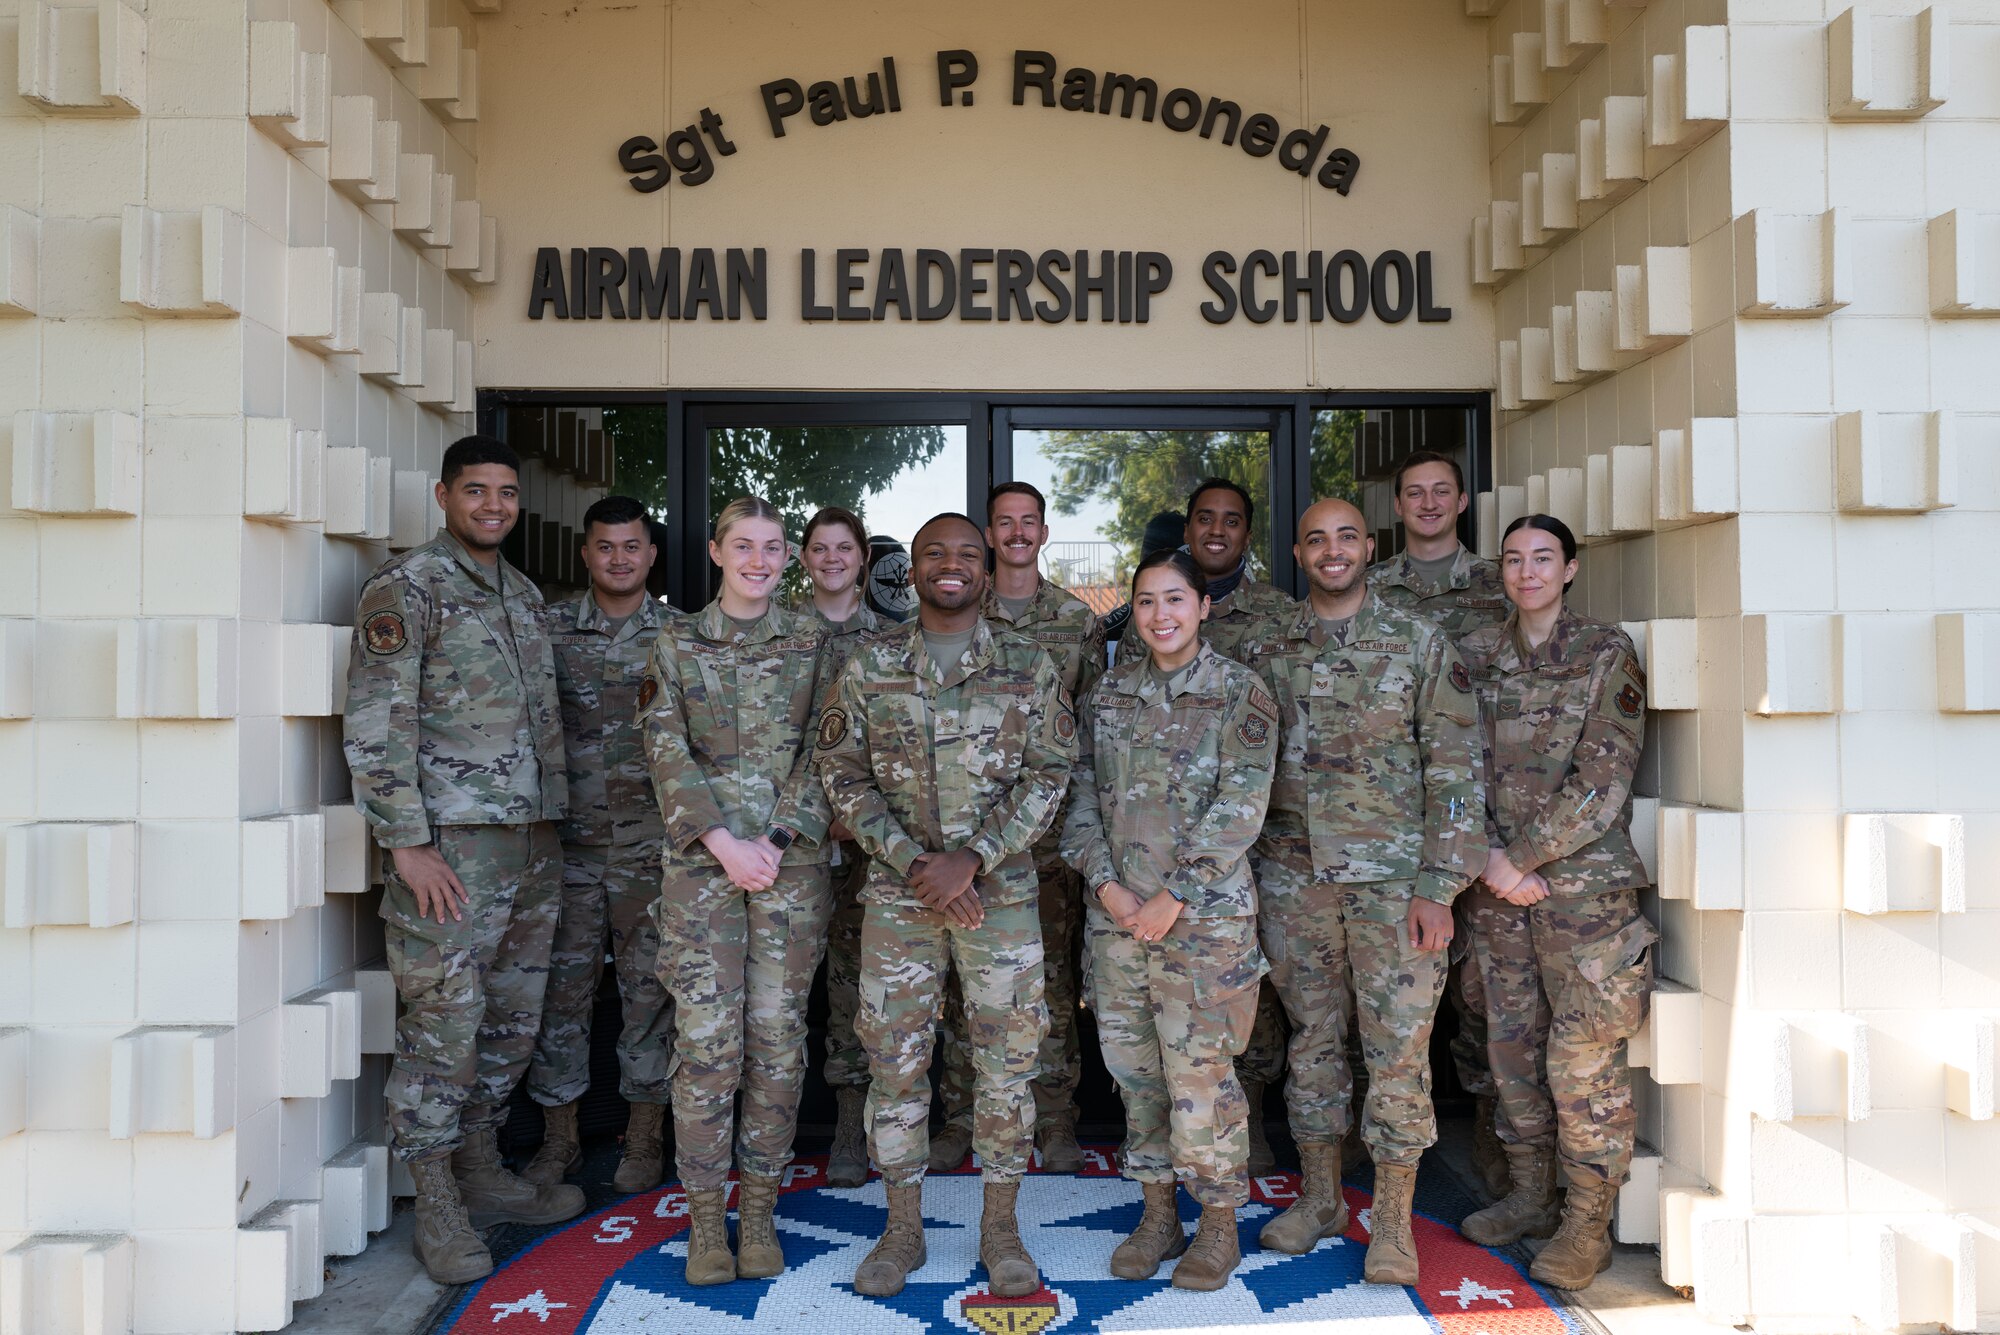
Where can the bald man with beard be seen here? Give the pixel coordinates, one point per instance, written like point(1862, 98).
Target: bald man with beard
point(1376, 823)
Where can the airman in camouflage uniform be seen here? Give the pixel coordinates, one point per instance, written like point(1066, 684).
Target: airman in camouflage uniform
point(728, 715)
point(1466, 597)
point(1250, 607)
point(954, 768)
point(1377, 803)
point(611, 880)
point(1168, 795)
point(454, 742)
point(1568, 978)
point(1066, 629)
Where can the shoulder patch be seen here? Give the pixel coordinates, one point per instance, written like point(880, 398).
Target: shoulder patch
point(1261, 701)
point(1629, 700)
point(649, 690)
point(1254, 731)
point(1460, 677)
point(385, 634)
point(832, 727)
point(1065, 725)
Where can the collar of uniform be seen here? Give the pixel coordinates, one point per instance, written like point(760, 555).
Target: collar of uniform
point(489, 578)
point(991, 609)
point(1192, 675)
point(716, 624)
point(1305, 622)
point(589, 616)
point(865, 617)
point(918, 660)
point(1514, 652)
point(1402, 571)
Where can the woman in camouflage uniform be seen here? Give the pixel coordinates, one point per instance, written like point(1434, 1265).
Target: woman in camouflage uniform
point(1168, 794)
point(728, 710)
point(834, 552)
point(1560, 943)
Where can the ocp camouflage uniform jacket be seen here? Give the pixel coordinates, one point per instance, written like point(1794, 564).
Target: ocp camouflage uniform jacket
point(919, 757)
point(1379, 765)
point(1563, 723)
point(451, 698)
point(840, 645)
point(1171, 782)
point(599, 675)
point(1063, 625)
point(1470, 597)
point(1250, 608)
point(729, 723)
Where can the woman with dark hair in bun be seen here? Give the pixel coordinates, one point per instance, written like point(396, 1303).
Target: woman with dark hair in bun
point(1172, 777)
point(1560, 943)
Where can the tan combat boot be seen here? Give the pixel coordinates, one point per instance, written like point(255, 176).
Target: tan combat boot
point(1262, 1160)
point(642, 1163)
point(709, 1260)
point(1010, 1271)
point(1319, 1212)
point(950, 1146)
point(758, 1255)
point(847, 1164)
point(1528, 1211)
point(1159, 1236)
point(1489, 1152)
point(1214, 1254)
point(1392, 1250)
point(1582, 1246)
point(444, 1241)
point(561, 1153)
point(1055, 1137)
point(901, 1248)
point(496, 1196)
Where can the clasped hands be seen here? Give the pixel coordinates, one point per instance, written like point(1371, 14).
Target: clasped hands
point(750, 864)
point(1517, 887)
point(1146, 919)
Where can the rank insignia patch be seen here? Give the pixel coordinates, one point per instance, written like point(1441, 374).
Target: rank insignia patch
point(832, 728)
point(384, 634)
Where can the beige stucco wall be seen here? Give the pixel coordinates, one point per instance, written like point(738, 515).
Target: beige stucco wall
point(1402, 85)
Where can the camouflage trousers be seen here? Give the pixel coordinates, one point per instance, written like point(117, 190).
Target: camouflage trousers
point(1568, 982)
point(471, 987)
point(739, 967)
point(1060, 1066)
point(605, 889)
point(846, 1064)
point(906, 954)
point(1341, 956)
point(1171, 1017)
point(1466, 991)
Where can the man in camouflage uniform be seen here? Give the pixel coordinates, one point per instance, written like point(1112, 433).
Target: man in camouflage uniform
point(1219, 514)
point(1436, 574)
point(611, 857)
point(1066, 629)
point(1376, 824)
point(945, 752)
point(454, 742)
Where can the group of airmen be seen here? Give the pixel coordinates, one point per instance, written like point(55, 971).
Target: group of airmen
point(1262, 842)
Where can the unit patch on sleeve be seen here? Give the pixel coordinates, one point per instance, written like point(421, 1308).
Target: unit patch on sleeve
point(1065, 726)
point(1629, 700)
point(385, 634)
point(1254, 731)
point(832, 727)
point(1460, 677)
point(649, 689)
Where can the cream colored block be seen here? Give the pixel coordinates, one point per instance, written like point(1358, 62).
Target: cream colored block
point(1668, 1045)
point(1896, 463)
point(440, 368)
point(382, 345)
point(13, 1082)
point(1917, 1272)
point(359, 494)
point(1530, 85)
point(1655, 300)
point(1538, 379)
point(1485, 529)
point(1572, 31)
point(69, 873)
point(1793, 264)
point(1687, 91)
point(1558, 192)
point(414, 345)
point(347, 849)
point(323, 300)
point(279, 1262)
point(1479, 9)
point(466, 393)
point(363, 150)
point(438, 81)
point(1536, 495)
point(1972, 1065)
point(1509, 504)
point(306, 1049)
point(1505, 233)
point(416, 190)
point(1684, 1199)
point(76, 463)
point(1611, 150)
point(1636, 1217)
point(1806, 1064)
point(1619, 491)
point(1694, 472)
point(17, 668)
point(354, 1200)
point(1880, 67)
point(1968, 662)
point(1701, 857)
point(284, 865)
point(79, 1282)
point(444, 192)
point(1903, 862)
point(290, 92)
point(20, 262)
point(1482, 252)
point(177, 668)
point(1505, 110)
point(315, 670)
point(1507, 375)
point(488, 271)
point(1793, 664)
point(1532, 232)
point(284, 472)
point(173, 1080)
point(1566, 497)
point(1965, 264)
point(1668, 651)
point(1644, 828)
point(82, 57)
point(469, 238)
point(399, 30)
point(464, 107)
point(417, 517)
point(188, 264)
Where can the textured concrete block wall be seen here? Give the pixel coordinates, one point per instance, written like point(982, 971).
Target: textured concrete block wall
point(236, 244)
point(1744, 260)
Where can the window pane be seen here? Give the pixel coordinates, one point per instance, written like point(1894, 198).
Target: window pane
point(1104, 487)
point(1355, 452)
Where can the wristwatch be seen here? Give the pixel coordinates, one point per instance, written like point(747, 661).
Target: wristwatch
point(780, 837)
